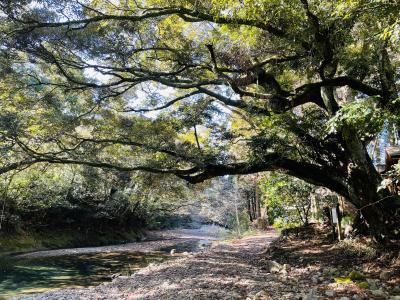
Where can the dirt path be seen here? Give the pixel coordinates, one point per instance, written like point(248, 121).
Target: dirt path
point(226, 271)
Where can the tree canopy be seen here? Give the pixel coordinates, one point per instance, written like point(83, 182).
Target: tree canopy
point(200, 89)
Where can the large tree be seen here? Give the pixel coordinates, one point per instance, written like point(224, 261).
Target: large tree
point(177, 86)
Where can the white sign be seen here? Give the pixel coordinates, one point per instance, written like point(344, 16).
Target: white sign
point(334, 216)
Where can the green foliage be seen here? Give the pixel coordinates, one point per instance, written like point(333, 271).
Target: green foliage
point(284, 222)
point(191, 88)
point(347, 220)
point(343, 280)
point(362, 114)
point(65, 238)
point(355, 275)
point(363, 285)
point(288, 200)
point(238, 227)
point(53, 197)
point(95, 91)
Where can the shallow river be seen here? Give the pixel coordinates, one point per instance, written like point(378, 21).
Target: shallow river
point(25, 275)
point(37, 275)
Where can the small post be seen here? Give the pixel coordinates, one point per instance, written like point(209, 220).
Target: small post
point(339, 224)
point(332, 224)
point(336, 221)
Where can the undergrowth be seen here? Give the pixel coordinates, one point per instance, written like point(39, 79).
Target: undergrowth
point(358, 247)
point(30, 241)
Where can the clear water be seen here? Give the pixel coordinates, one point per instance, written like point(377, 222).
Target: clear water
point(19, 276)
point(25, 276)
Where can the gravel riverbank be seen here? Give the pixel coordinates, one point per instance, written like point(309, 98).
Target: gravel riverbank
point(301, 265)
point(155, 241)
point(225, 271)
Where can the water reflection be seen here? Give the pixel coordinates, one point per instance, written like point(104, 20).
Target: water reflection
point(34, 275)
point(24, 276)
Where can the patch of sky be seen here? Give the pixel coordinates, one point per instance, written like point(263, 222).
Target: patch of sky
point(96, 73)
point(377, 149)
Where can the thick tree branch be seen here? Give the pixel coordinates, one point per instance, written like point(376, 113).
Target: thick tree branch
point(343, 81)
point(188, 15)
point(81, 141)
point(21, 164)
point(311, 173)
point(235, 103)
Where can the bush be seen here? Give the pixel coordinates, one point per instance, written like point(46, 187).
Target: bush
point(281, 223)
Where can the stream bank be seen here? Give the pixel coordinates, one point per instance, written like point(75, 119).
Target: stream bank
point(42, 271)
point(304, 264)
point(227, 270)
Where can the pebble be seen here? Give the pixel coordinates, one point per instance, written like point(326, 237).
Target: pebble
point(287, 267)
point(325, 271)
point(334, 270)
point(330, 293)
point(385, 275)
point(261, 295)
point(315, 279)
point(272, 266)
point(372, 283)
point(379, 293)
point(312, 295)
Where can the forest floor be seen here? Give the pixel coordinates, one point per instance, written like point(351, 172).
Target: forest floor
point(304, 265)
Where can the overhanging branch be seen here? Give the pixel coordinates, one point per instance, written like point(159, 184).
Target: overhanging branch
point(313, 174)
